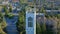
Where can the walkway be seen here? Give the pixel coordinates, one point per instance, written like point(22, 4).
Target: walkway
point(11, 25)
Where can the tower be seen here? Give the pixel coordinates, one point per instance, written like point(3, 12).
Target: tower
point(31, 21)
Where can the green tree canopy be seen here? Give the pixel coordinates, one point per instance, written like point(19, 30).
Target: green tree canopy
point(42, 10)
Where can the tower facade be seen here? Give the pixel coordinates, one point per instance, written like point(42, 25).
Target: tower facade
point(31, 21)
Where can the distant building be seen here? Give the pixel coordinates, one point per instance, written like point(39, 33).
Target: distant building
point(15, 0)
point(29, 2)
point(1, 1)
point(48, 4)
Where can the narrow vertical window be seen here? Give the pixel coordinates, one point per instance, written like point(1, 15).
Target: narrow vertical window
point(30, 22)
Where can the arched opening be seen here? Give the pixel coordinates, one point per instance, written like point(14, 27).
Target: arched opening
point(30, 22)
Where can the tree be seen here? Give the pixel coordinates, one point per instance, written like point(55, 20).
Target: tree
point(21, 22)
point(38, 29)
point(1, 17)
point(5, 9)
point(23, 1)
point(42, 10)
point(2, 24)
point(10, 9)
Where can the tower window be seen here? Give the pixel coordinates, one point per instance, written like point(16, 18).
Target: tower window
point(30, 22)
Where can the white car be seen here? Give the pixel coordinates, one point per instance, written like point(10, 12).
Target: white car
point(13, 8)
point(18, 9)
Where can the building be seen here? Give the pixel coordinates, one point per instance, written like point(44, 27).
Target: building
point(48, 4)
point(29, 2)
point(30, 21)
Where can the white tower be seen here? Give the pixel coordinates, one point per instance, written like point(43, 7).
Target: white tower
point(31, 21)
